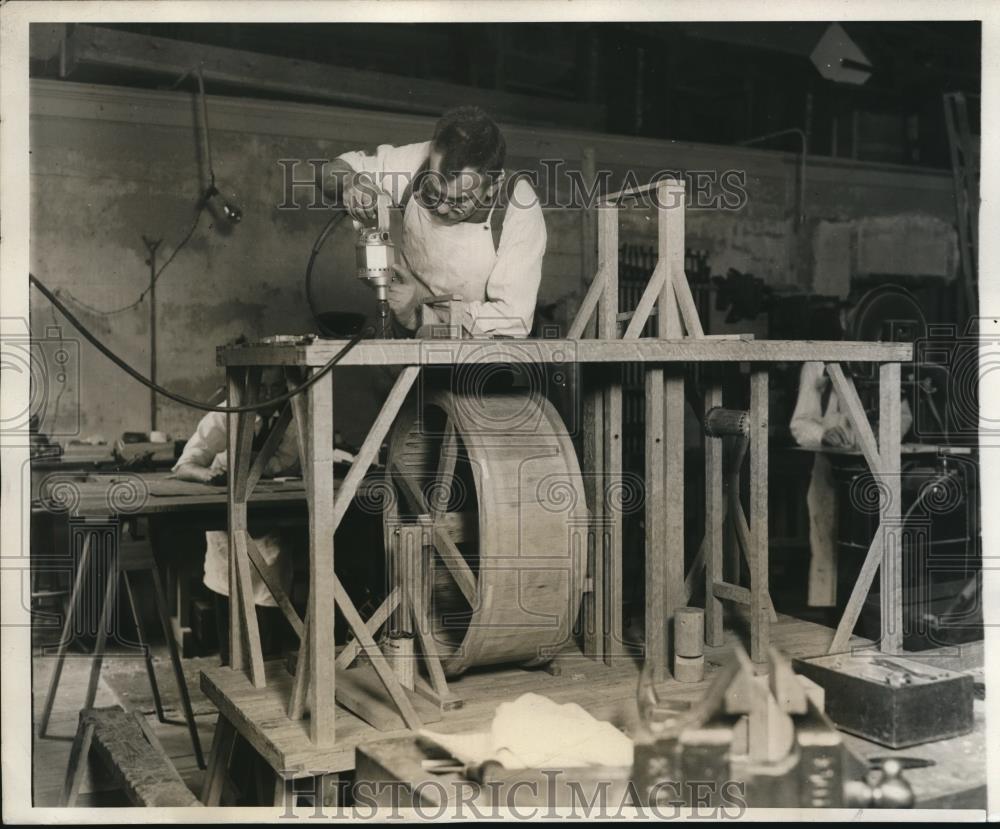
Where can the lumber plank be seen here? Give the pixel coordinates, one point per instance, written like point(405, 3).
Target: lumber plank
point(607, 329)
point(891, 569)
point(656, 656)
point(848, 396)
point(714, 520)
point(268, 449)
point(587, 307)
point(760, 620)
point(644, 349)
point(375, 621)
point(268, 577)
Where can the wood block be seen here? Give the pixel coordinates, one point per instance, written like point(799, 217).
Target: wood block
point(135, 758)
point(689, 668)
point(361, 691)
point(689, 632)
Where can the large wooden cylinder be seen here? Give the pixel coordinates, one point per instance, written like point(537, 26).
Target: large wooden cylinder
point(516, 509)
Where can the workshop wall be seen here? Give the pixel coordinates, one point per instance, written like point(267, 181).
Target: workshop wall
point(110, 165)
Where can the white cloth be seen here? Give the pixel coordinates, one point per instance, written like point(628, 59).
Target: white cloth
point(207, 448)
point(809, 422)
point(498, 287)
point(533, 732)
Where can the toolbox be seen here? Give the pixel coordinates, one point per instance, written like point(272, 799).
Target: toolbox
point(892, 700)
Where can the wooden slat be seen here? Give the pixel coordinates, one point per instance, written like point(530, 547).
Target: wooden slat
point(268, 449)
point(746, 543)
point(235, 380)
point(714, 521)
point(648, 349)
point(760, 621)
point(607, 329)
point(866, 575)
point(248, 608)
point(847, 394)
point(657, 655)
point(322, 577)
point(685, 301)
point(300, 685)
point(731, 593)
point(891, 569)
point(670, 250)
point(373, 442)
point(586, 310)
point(270, 579)
point(592, 607)
point(650, 294)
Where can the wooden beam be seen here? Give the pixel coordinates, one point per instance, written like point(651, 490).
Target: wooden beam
point(891, 569)
point(606, 350)
point(322, 577)
point(714, 520)
point(373, 443)
point(607, 329)
point(269, 448)
point(760, 621)
point(731, 593)
point(277, 591)
point(657, 654)
point(650, 294)
point(587, 307)
point(95, 46)
point(670, 251)
point(848, 396)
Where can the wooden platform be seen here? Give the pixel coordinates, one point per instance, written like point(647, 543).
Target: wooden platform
point(608, 693)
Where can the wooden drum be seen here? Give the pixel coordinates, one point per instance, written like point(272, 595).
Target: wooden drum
point(496, 481)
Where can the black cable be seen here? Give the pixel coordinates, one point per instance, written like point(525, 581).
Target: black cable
point(202, 204)
point(178, 398)
point(328, 228)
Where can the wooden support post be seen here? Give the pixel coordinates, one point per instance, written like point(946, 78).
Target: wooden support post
point(891, 570)
point(657, 656)
point(714, 519)
point(670, 250)
point(323, 579)
point(607, 328)
point(760, 621)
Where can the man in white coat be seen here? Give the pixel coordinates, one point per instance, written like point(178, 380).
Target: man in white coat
point(467, 230)
point(817, 422)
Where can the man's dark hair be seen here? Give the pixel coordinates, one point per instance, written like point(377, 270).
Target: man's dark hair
point(467, 137)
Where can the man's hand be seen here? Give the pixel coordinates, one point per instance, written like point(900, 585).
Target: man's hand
point(193, 472)
point(405, 293)
point(360, 195)
point(838, 437)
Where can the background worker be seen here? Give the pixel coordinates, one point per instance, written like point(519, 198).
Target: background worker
point(466, 229)
point(204, 459)
point(819, 421)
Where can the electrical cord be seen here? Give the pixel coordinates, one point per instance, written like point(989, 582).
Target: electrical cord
point(179, 398)
point(328, 228)
point(107, 312)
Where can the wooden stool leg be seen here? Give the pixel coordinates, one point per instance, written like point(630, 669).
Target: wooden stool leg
point(218, 762)
point(50, 696)
point(146, 651)
point(77, 764)
point(102, 633)
point(175, 661)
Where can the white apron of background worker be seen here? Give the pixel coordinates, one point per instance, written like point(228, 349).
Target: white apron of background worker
point(498, 284)
point(817, 411)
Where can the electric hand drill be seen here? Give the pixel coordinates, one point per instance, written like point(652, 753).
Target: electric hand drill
point(375, 255)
